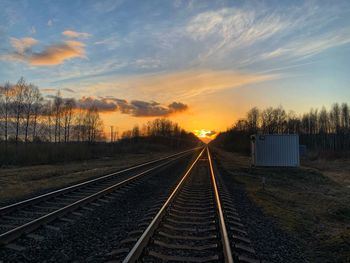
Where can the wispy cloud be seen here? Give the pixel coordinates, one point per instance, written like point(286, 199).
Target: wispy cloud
point(111, 42)
point(183, 85)
point(106, 6)
point(252, 34)
point(147, 63)
point(309, 46)
point(192, 83)
point(226, 29)
point(75, 34)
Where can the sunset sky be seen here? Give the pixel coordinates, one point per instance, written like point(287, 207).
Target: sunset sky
point(200, 63)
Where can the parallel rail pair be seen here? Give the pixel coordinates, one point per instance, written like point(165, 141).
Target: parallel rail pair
point(26, 216)
point(190, 226)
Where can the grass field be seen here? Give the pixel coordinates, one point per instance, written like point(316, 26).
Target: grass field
point(17, 183)
point(311, 203)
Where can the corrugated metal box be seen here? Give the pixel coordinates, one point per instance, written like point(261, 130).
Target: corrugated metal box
point(275, 150)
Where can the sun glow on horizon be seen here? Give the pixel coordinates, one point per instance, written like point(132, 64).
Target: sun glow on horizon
point(205, 135)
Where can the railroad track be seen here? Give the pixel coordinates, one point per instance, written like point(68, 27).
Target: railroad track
point(26, 216)
point(196, 223)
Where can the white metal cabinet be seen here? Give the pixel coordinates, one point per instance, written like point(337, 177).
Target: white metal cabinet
point(275, 150)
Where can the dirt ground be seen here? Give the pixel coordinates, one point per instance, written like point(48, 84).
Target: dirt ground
point(311, 203)
point(18, 183)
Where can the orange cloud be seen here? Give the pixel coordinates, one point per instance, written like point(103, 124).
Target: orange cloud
point(51, 55)
point(23, 44)
point(70, 33)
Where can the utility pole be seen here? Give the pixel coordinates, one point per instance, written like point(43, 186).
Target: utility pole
point(112, 134)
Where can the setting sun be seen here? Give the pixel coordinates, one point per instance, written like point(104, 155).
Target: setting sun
point(205, 135)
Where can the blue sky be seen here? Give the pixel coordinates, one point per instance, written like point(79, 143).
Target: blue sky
point(217, 57)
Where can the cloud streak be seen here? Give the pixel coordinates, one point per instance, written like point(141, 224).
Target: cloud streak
point(185, 85)
point(75, 34)
point(136, 108)
point(249, 35)
point(304, 48)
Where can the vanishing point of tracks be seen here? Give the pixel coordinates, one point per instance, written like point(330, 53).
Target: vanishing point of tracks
point(24, 217)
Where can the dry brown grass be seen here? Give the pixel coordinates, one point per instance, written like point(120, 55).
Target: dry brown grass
point(18, 183)
point(311, 203)
point(337, 169)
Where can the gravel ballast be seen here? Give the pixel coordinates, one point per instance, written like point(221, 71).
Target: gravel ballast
point(271, 243)
point(89, 237)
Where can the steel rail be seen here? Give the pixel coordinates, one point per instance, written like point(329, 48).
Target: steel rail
point(136, 251)
point(223, 231)
point(34, 200)
point(13, 234)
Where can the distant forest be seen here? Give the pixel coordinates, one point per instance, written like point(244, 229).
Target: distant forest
point(34, 129)
point(319, 129)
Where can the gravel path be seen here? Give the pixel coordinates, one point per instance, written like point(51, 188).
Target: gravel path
point(97, 232)
point(270, 242)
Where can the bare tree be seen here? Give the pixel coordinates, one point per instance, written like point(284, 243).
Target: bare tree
point(323, 121)
point(176, 129)
point(279, 118)
point(69, 105)
point(253, 119)
point(335, 117)
point(135, 131)
point(345, 117)
point(37, 106)
point(57, 108)
point(2, 110)
point(241, 125)
point(79, 129)
point(93, 124)
point(47, 114)
point(126, 134)
point(28, 101)
point(18, 104)
point(293, 123)
point(313, 121)
point(6, 93)
point(267, 121)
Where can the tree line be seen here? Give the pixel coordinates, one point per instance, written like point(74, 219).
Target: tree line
point(25, 116)
point(320, 129)
point(158, 127)
point(160, 131)
point(271, 120)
